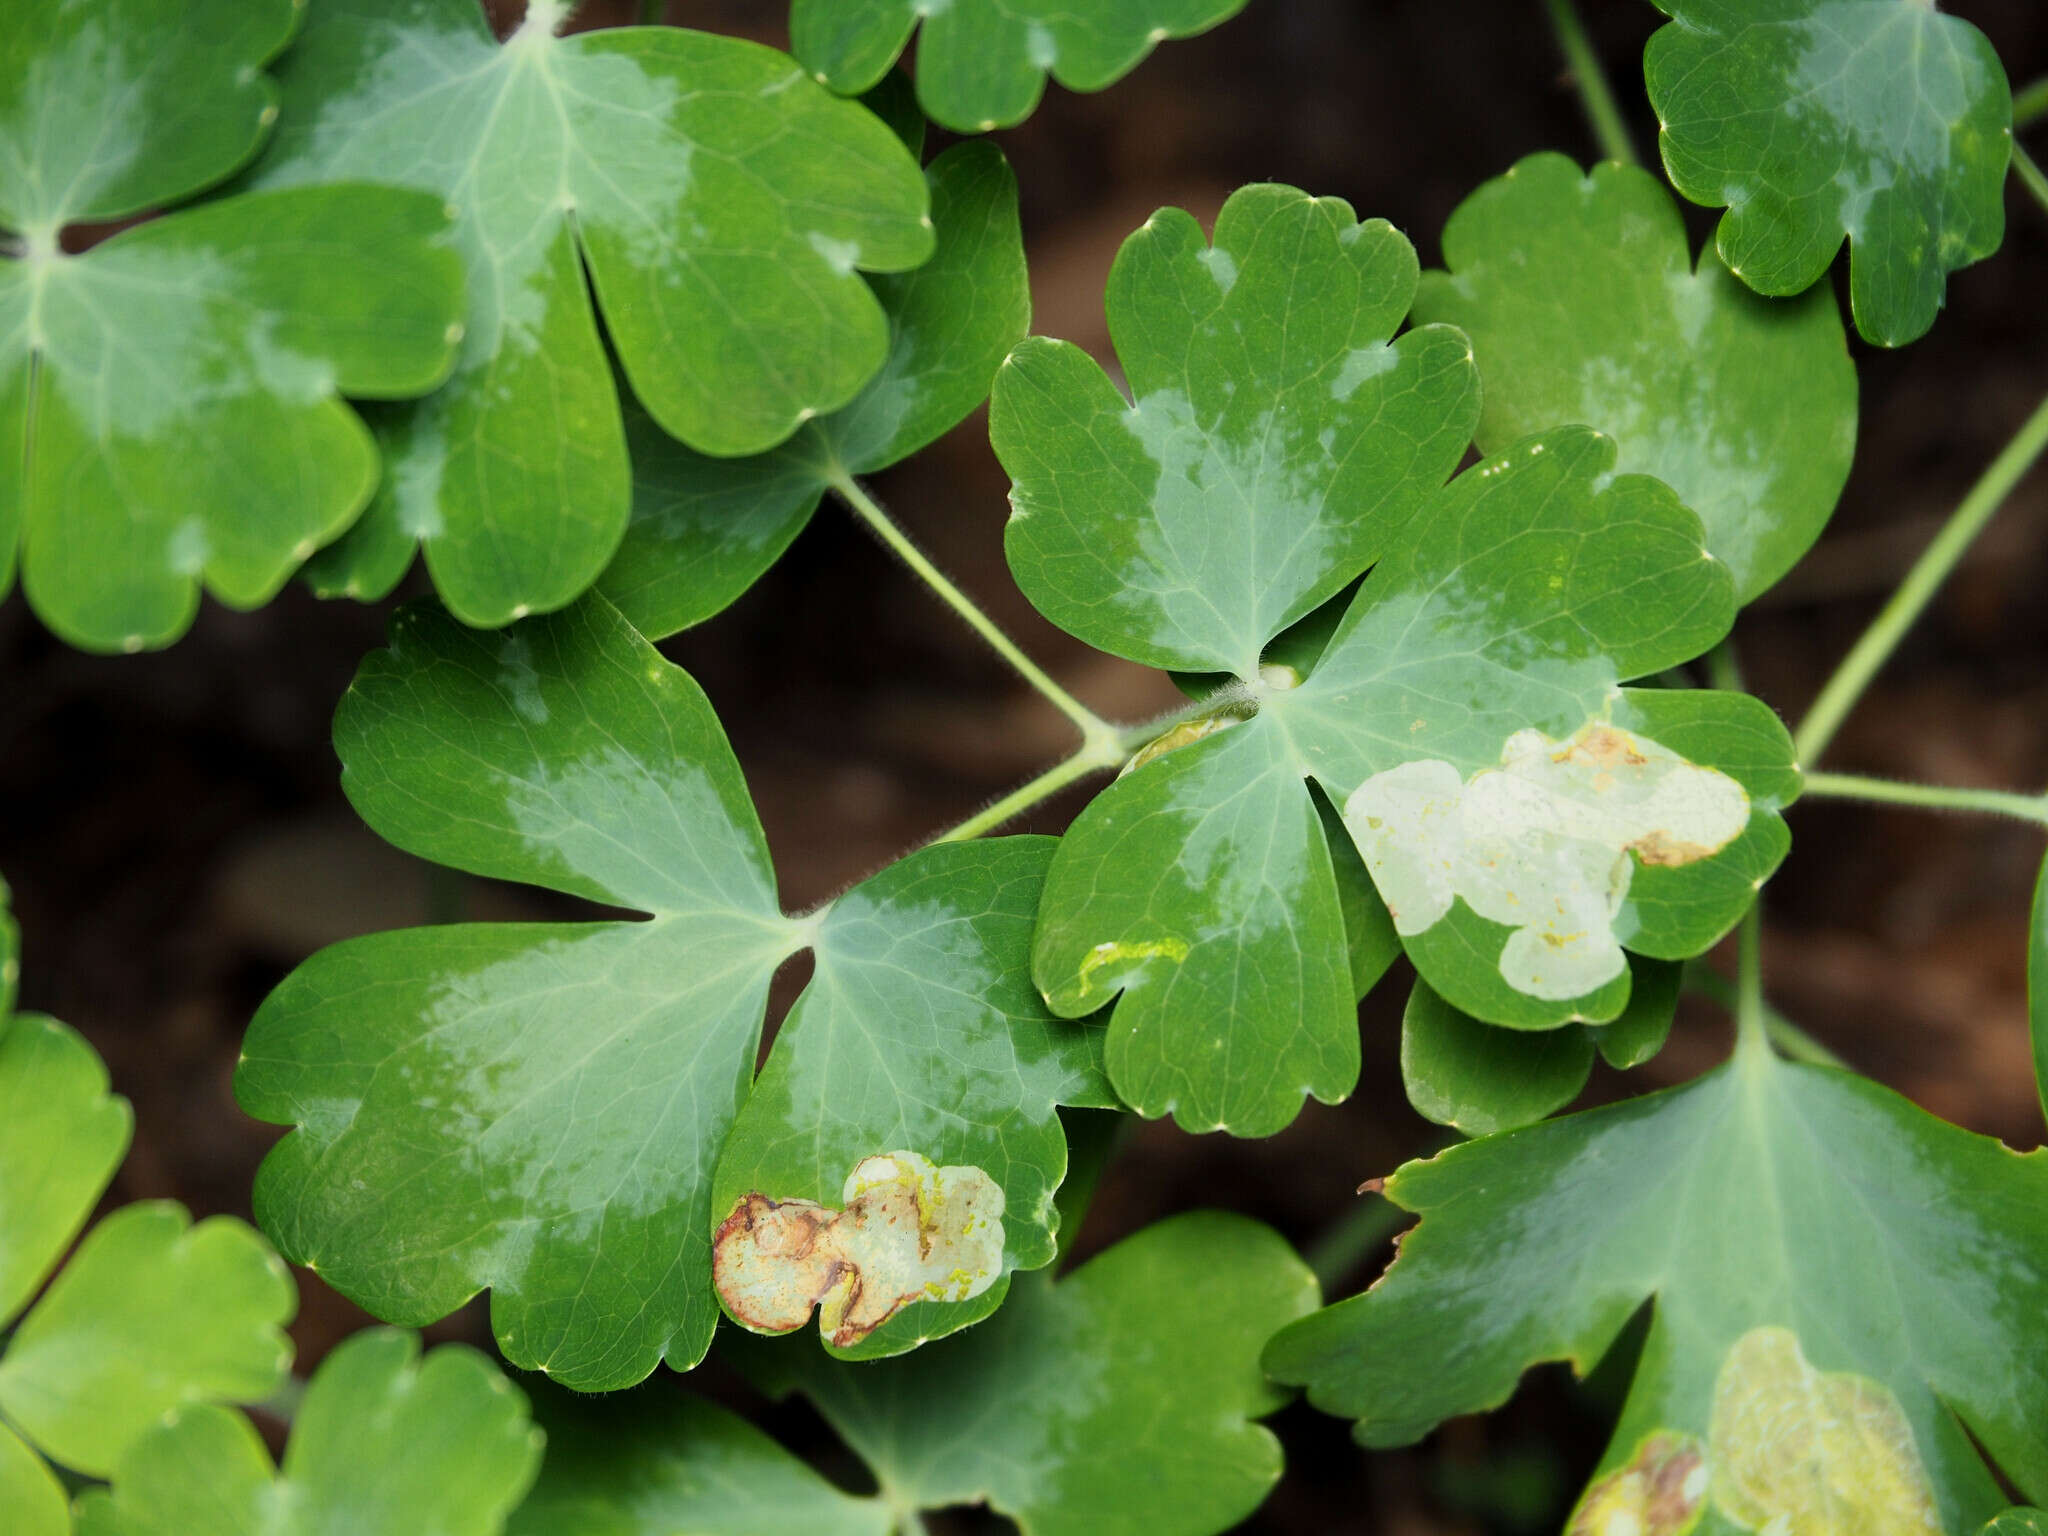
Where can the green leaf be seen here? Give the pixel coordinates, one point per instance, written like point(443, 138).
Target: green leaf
point(1816, 1249)
point(704, 529)
point(2018, 1522)
point(723, 205)
point(982, 64)
point(385, 1444)
point(1644, 1026)
point(1881, 120)
point(1583, 306)
point(62, 1135)
point(920, 1030)
point(10, 976)
point(538, 1108)
point(1278, 443)
point(150, 1314)
point(1480, 658)
point(171, 398)
point(653, 1463)
point(2037, 988)
point(1481, 1080)
point(29, 1491)
point(1119, 1399)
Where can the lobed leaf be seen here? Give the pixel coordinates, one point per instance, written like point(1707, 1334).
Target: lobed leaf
point(540, 1108)
point(1583, 306)
point(385, 1443)
point(982, 64)
point(1814, 1247)
point(1810, 120)
point(170, 399)
point(723, 205)
point(652, 1464)
point(1121, 1398)
point(1481, 1080)
point(704, 529)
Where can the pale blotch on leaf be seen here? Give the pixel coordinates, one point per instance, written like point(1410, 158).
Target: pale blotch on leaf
point(1174, 950)
point(1185, 734)
point(1661, 1490)
point(907, 1232)
point(1802, 1452)
point(1542, 843)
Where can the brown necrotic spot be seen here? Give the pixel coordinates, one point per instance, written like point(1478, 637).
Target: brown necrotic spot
point(1659, 1491)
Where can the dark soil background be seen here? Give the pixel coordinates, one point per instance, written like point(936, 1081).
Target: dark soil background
point(176, 839)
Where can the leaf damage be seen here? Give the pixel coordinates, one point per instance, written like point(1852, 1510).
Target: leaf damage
point(1661, 1490)
point(907, 1231)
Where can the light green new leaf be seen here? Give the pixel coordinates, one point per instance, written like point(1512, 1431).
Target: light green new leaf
point(1818, 1252)
point(385, 1443)
point(659, 1463)
point(1583, 306)
point(62, 1135)
point(1481, 1080)
point(169, 400)
point(982, 64)
point(1809, 120)
point(29, 1491)
point(723, 205)
point(1118, 1400)
point(705, 529)
point(538, 1108)
point(150, 1314)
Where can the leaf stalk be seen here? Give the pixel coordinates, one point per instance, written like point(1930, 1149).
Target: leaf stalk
point(2031, 175)
point(2031, 104)
point(1594, 94)
point(1929, 797)
point(1898, 615)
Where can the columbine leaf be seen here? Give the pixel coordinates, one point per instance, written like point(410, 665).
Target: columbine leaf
point(538, 1108)
point(1816, 1248)
point(2018, 1522)
point(1480, 659)
point(723, 205)
point(1118, 1399)
point(1482, 1080)
point(705, 529)
point(171, 396)
point(62, 1135)
point(1639, 1034)
point(1583, 306)
point(151, 1313)
point(2037, 985)
point(654, 1463)
point(982, 64)
point(384, 1444)
point(1881, 120)
point(29, 1491)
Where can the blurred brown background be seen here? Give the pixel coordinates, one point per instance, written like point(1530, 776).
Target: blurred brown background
point(176, 839)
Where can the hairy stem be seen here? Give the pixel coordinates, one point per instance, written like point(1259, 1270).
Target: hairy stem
point(1100, 740)
point(1752, 1035)
point(2030, 104)
point(1724, 667)
point(1090, 759)
point(2030, 175)
point(1929, 797)
point(1918, 589)
point(1594, 95)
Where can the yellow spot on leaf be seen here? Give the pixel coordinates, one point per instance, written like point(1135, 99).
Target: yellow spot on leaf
point(1661, 1490)
point(1804, 1452)
point(1175, 950)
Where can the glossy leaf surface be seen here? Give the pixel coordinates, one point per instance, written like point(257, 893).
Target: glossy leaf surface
point(723, 205)
point(1485, 649)
point(1583, 306)
point(539, 1108)
point(654, 1463)
point(704, 529)
point(1815, 1248)
point(1884, 121)
point(170, 399)
point(1117, 1399)
point(982, 64)
point(385, 1443)
point(1481, 1080)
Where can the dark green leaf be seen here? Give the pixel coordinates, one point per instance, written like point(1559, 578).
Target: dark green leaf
point(1645, 1024)
point(1583, 306)
point(723, 205)
point(1117, 1401)
point(385, 1444)
point(704, 529)
point(656, 1463)
point(982, 64)
point(1818, 1251)
point(1881, 120)
point(1482, 1080)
